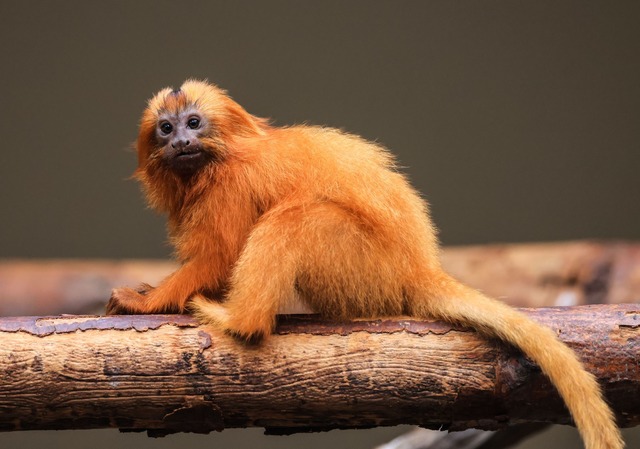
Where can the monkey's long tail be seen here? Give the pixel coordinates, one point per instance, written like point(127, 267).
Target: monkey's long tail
point(455, 302)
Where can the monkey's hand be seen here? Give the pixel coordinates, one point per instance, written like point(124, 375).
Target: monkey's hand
point(142, 300)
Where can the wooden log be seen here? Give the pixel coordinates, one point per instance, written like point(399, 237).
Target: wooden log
point(525, 275)
point(164, 373)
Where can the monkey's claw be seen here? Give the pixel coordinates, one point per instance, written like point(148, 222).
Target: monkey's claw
point(144, 288)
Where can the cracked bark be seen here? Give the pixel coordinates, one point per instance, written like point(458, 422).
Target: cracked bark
point(166, 374)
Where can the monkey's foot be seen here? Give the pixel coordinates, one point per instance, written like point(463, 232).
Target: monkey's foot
point(217, 315)
point(125, 301)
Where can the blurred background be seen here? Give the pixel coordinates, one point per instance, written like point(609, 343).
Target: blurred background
point(518, 121)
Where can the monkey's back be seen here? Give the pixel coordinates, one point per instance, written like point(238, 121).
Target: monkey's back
point(326, 164)
point(365, 232)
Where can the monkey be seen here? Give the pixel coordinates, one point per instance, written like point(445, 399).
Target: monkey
point(260, 215)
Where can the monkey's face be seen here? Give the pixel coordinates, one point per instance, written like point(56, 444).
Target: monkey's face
point(187, 129)
point(179, 137)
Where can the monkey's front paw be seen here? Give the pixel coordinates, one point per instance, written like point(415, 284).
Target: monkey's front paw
point(125, 301)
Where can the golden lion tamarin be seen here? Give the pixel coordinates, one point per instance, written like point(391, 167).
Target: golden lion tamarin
point(260, 215)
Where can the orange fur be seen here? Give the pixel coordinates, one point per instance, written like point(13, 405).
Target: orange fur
point(323, 215)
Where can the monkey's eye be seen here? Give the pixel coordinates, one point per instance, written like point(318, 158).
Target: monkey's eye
point(193, 123)
point(166, 127)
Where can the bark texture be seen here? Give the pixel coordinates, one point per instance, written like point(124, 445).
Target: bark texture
point(165, 374)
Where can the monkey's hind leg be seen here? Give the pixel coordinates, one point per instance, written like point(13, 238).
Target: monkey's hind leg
point(262, 279)
point(317, 252)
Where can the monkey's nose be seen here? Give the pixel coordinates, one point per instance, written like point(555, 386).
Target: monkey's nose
point(180, 144)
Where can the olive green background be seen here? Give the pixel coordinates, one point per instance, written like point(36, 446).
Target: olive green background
point(519, 121)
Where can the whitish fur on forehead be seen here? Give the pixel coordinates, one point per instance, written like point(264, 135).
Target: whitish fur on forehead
point(209, 99)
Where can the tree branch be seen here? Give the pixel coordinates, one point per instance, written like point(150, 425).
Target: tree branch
point(166, 374)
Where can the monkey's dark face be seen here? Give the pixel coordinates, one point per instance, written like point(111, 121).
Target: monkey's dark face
point(186, 131)
point(179, 136)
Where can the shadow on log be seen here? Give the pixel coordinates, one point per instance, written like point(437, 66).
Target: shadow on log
point(166, 374)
